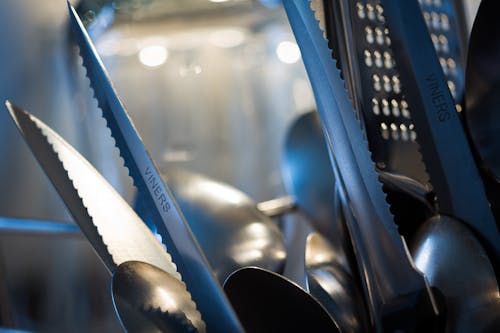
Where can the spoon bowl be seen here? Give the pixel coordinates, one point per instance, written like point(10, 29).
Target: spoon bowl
point(148, 299)
point(230, 229)
point(454, 261)
point(268, 302)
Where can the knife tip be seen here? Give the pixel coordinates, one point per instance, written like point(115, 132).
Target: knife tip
point(11, 108)
point(15, 112)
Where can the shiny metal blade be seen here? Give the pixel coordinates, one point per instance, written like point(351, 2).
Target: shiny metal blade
point(445, 150)
point(385, 259)
point(158, 202)
point(112, 227)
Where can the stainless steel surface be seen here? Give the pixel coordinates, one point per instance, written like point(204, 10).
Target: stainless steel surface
point(55, 284)
point(253, 95)
point(454, 261)
point(268, 302)
point(385, 263)
point(277, 207)
point(111, 226)
point(156, 202)
point(459, 190)
point(405, 185)
point(218, 103)
point(148, 299)
point(482, 82)
point(296, 228)
point(230, 229)
point(334, 286)
point(308, 176)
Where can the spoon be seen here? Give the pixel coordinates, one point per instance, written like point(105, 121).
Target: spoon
point(148, 299)
point(454, 261)
point(482, 86)
point(230, 229)
point(309, 177)
point(268, 302)
point(334, 286)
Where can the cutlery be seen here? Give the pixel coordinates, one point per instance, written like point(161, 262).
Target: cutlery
point(268, 302)
point(445, 150)
point(455, 262)
point(112, 227)
point(230, 229)
point(148, 299)
point(397, 294)
point(155, 199)
point(333, 285)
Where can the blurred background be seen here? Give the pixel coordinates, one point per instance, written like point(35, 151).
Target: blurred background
point(211, 85)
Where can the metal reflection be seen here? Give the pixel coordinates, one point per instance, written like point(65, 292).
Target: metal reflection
point(232, 232)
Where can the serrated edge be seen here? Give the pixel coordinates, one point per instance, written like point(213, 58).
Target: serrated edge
point(41, 130)
point(392, 206)
point(318, 18)
point(36, 124)
point(178, 317)
point(122, 151)
point(137, 184)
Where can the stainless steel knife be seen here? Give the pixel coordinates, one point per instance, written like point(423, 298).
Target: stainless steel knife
point(115, 231)
point(393, 284)
point(157, 199)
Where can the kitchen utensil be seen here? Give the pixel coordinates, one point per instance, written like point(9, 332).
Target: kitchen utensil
point(334, 286)
point(398, 295)
point(455, 262)
point(155, 199)
point(114, 230)
point(230, 229)
point(445, 150)
point(359, 37)
point(268, 302)
point(148, 299)
point(308, 176)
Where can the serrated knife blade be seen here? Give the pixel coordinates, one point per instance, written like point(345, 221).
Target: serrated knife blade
point(157, 198)
point(112, 227)
point(387, 265)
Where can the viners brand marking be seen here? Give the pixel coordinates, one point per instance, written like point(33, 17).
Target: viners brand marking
point(438, 98)
point(159, 195)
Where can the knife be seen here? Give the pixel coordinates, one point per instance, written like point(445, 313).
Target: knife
point(394, 287)
point(158, 203)
point(112, 227)
point(445, 150)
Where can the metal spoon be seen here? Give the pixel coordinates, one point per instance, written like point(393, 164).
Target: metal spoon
point(334, 286)
point(454, 261)
point(309, 177)
point(148, 299)
point(482, 86)
point(268, 302)
point(232, 232)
